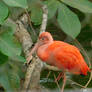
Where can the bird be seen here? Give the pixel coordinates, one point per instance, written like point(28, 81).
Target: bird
point(60, 54)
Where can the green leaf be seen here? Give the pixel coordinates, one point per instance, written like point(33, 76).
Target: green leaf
point(4, 81)
point(3, 58)
point(19, 58)
point(36, 15)
point(8, 45)
point(68, 21)
point(52, 7)
point(3, 12)
point(32, 3)
point(10, 23)
point(14, 79)
point(36, 11)
point(16, 3)
point(82, 5)
point(9, 79)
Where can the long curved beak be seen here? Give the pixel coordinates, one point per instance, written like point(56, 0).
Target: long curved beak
point(32, 51)
point(34, 48)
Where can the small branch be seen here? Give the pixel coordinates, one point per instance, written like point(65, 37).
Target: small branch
point(76, 83)
point(44, 20)
point(29, 21)
point(90, 78)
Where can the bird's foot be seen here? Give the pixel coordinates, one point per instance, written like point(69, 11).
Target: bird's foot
point(28, 59)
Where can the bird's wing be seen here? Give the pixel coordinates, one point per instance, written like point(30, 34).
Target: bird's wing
point(69, 58)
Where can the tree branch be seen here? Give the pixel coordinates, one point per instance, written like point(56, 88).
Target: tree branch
point(33, 71)
point(45, 18)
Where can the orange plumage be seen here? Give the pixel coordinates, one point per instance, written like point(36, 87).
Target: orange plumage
point(62, 55)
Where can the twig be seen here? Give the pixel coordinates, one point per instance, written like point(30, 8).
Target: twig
point(90, 78)
point(29, 21)
point(76, 83)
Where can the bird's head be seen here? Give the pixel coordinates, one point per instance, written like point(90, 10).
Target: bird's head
point(45, 38)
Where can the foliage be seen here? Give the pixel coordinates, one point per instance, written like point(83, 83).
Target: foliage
point(16, 3)
point(61, 12)
point(3, 12)
point(64, 19)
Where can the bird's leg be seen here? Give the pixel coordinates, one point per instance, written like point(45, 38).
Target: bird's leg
point(64, 82)
point(48, 74)
point(59, 76)
point(56, 81)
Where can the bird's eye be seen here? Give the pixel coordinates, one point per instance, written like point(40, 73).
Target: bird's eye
point(42, 38)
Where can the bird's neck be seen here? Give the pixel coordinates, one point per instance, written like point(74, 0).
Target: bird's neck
point(41, 51)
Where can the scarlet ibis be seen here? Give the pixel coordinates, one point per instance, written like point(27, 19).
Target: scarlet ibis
point(60, 54)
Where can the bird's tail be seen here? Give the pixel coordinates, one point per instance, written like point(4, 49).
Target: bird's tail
point(85, 69)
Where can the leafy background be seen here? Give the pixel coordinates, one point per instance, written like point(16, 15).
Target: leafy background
point(66, 19)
